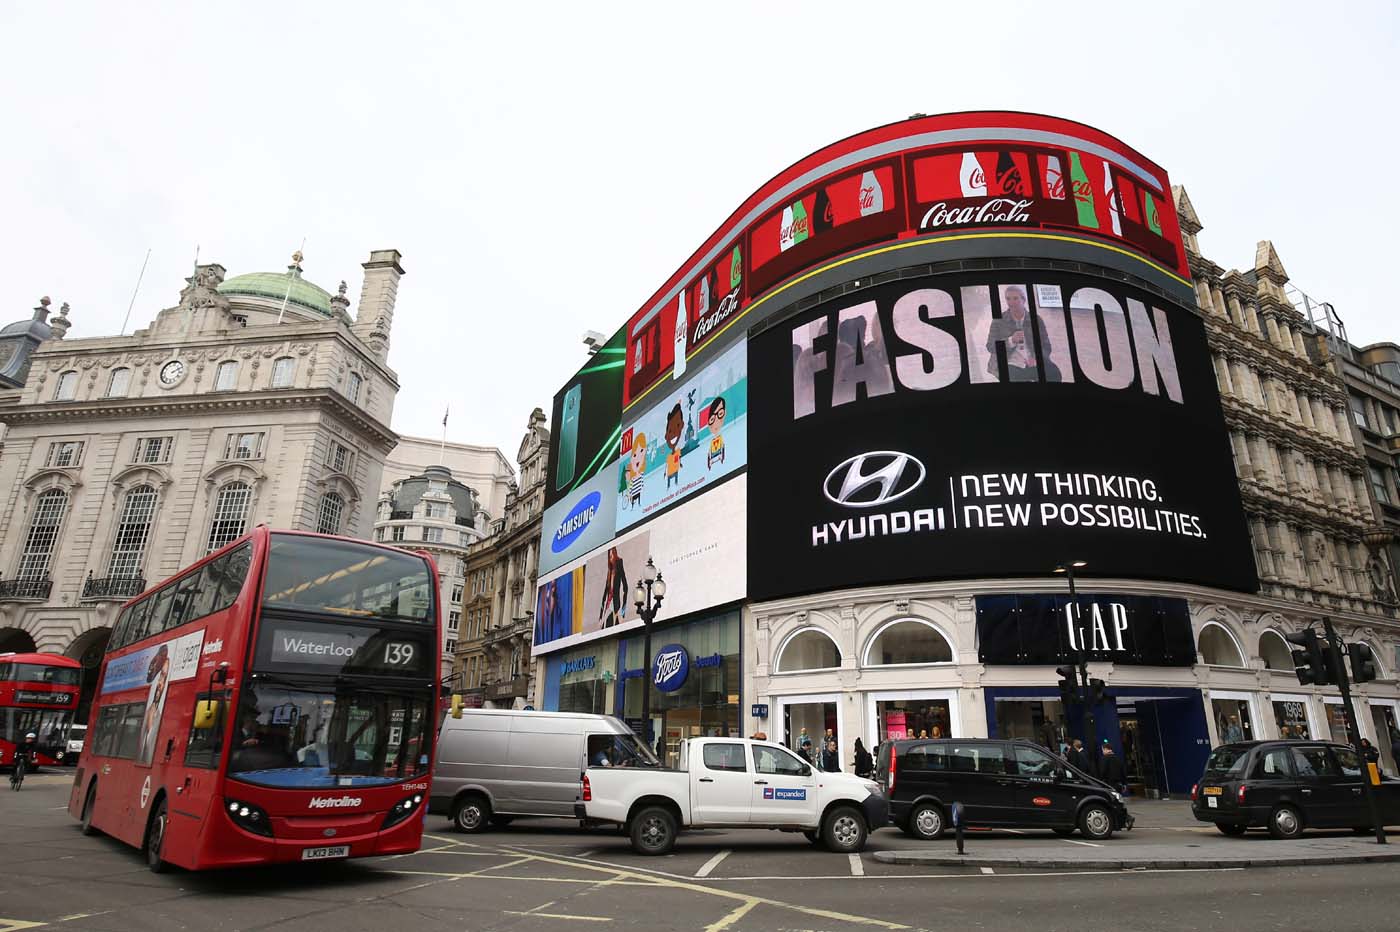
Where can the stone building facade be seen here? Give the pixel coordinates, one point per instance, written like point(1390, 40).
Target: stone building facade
point(254, 399)
point(493, 667)
point(485, 470)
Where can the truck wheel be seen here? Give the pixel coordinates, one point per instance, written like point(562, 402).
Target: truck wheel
point(653, 831)
point(89, 804)
point(844, 830)
point(926, 822)
point(472, 814)
point(815, 837)
point(1096, 822)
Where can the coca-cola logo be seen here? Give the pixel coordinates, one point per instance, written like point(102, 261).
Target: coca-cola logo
point(1082, 191)
point(726, 307)
point(867, 198)
point(996, 210)
point(795, 230)
point(977, 179)
point(1055, 183)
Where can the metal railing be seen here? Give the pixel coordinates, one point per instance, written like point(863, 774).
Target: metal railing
point(15, 589)
point(118, 588)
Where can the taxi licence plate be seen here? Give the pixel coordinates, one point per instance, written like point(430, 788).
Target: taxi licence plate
point(322, 853)
point(1213, 791)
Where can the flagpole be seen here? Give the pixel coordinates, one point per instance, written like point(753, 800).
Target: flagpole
point(296, 261)
point(442, 448)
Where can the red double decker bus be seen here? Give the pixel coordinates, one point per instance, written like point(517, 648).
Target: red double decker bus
point(38, 693)
point(276, 701)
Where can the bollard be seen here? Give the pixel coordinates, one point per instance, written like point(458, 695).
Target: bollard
point(958, 825)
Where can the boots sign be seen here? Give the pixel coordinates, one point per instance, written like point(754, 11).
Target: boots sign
point(1053, 629)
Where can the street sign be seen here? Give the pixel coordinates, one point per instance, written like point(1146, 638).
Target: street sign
point(759, 710)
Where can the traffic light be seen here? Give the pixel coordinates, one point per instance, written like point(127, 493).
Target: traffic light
point(1069, 688)
point(1363, 663)
point(1096, 691)
point(1310, 663)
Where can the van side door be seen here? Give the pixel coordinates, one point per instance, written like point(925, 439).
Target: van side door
point(1042, 796)
point(1325, 801)
point(546, 758)
point(784, 788)
point(721, 783)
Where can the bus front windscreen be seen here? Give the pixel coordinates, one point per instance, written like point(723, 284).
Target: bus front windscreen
point(334, 577)
point(39, 673)
point(315, 738)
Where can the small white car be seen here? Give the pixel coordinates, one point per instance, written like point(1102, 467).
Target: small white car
point(733, 783)
point(76, 734)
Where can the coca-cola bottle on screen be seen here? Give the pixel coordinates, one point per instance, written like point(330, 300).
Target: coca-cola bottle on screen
point(785, 230)
point(971, 176)
point(872, 196)
point(736, 268)
point(823, 217)
point(1114, 208)
point(702, 301)
point(1083, 193)
point(1149, 213)
point(801, 226)
point(682, 332)
point(1053, 178)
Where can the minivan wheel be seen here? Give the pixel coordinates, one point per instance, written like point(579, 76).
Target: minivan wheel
point(653, 831)
point(926, 822)
point(1228, 828)
point(1096, 822)
point(1285, 822)
point(472, 814)
point(844, 830)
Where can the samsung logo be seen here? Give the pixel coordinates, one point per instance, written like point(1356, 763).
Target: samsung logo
point(576, 522)
point(334, 802)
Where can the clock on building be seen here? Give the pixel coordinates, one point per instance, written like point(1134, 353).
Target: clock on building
point(172, 372)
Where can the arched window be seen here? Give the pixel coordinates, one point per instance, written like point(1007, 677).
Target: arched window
point(908, 641)
point(352, 387)
point(1218, 647)
point(67, 387)
point(230, 514)
point(284, 371)
point(49, 509)
point(1276, 653)
point(119, 384)
point(1380, 667)
point(133, 531)
point(809, 649)
point(328, 520)
point(226, 376)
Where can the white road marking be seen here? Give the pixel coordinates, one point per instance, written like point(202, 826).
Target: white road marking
point(1087, 844)
point(711, 864)
point(988, 870)
point(857, 868)
point(533, 914)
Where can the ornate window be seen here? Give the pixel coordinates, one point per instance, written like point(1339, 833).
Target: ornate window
point(454, 621)
point(396, 533)
point(809, 649)
point(284, 371)
point(119, 384)
point(432, 534)
point(339, 457)
point(65, 453)
point(243, 446)
point(1275, 651)
point(1218, 647)
point(332, 508)
point(230, 514)
point(49, 509)
point(133, 531)
point(908, 641)
point(66, 389)
point(353, 382)
point(226, 376)
point(153, 449)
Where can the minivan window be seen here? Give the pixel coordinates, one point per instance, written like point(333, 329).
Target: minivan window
point(774, 760)
point(724, 757)
point(979, 758)
point(924, 757)
point(1034, 763)
point(1350, 763)
point(1226, 760)
point(1273, 765)
point(1313, 762)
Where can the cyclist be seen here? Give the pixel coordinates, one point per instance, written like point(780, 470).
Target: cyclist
point(24, 755)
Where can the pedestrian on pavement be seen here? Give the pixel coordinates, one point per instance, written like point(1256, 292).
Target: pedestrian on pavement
point(1369, 752)
point(1111, 769)
point(864, 763)
point(831, 758)
point(804, 750)
point(1078, 757)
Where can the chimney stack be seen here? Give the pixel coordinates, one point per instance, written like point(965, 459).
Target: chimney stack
point(41, 313)
point(374, 317)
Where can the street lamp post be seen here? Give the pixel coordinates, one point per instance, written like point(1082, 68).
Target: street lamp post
point(651, 589)
point(1091, 733)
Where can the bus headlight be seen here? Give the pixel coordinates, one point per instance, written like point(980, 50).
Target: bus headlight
point(248, 817)
point(403, 809)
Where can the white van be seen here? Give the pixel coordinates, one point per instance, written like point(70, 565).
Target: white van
point(494, 765)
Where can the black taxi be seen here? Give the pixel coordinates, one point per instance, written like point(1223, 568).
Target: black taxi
point(1287, 786)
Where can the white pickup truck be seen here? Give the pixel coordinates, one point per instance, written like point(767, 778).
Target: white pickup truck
point(733, 783)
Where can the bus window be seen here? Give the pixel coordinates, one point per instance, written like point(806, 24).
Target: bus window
point(129, 731)
point(340, 578)
point(186, 591)
point(157, 613)
point(104, 743)
point(207, 729)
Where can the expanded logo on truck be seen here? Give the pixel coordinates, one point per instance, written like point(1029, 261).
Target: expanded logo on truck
point(778, 793)
point(670, 668)
point(334, 802)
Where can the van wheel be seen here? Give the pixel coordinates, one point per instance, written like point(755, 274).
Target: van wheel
point(844, 830)
point(1229, 828)
point(926, 822)
point(155, 840)
point(1285, 822)
point(89, 804)
point(1096, 822)
point(472, 814)
point(815, 837)
point(653, 831)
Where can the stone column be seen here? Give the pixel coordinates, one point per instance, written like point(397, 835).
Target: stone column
point(1305, 412)
point(1222, 376)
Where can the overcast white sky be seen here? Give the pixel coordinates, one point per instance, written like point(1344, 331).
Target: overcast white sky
point(545, 167)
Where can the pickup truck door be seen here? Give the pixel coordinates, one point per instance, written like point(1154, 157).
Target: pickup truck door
point(784, 788)
point(720, 784)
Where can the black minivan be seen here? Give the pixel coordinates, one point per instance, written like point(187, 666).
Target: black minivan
point(1287, 786)
point(1015, 784)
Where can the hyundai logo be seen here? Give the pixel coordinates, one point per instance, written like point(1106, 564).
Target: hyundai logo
point(871, 479)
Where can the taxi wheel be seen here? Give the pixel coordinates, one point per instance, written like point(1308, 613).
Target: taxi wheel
point(89, 803)
point(1096, 822)
point(155, 840)
point(1285, 822)
point(1234, 831)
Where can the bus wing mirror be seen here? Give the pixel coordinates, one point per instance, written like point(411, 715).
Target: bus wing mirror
point(456, 706)
point(206, 713)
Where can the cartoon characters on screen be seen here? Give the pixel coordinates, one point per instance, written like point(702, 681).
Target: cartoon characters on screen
point(715, 421)
point(675, 425)
point(636, 470)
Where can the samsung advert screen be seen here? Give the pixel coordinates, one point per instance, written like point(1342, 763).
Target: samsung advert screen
point(989, 424)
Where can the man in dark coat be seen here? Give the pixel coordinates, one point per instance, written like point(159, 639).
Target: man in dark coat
point(831, 758)
point(1079, 758)
point(1111, 769)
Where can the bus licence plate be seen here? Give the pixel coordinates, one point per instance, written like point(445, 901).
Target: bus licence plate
point(320, 854)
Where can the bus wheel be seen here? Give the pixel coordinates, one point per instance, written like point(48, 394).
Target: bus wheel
point(155, 840)
point(89, 803)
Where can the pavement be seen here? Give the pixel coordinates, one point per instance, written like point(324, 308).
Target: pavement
point(550, 875)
